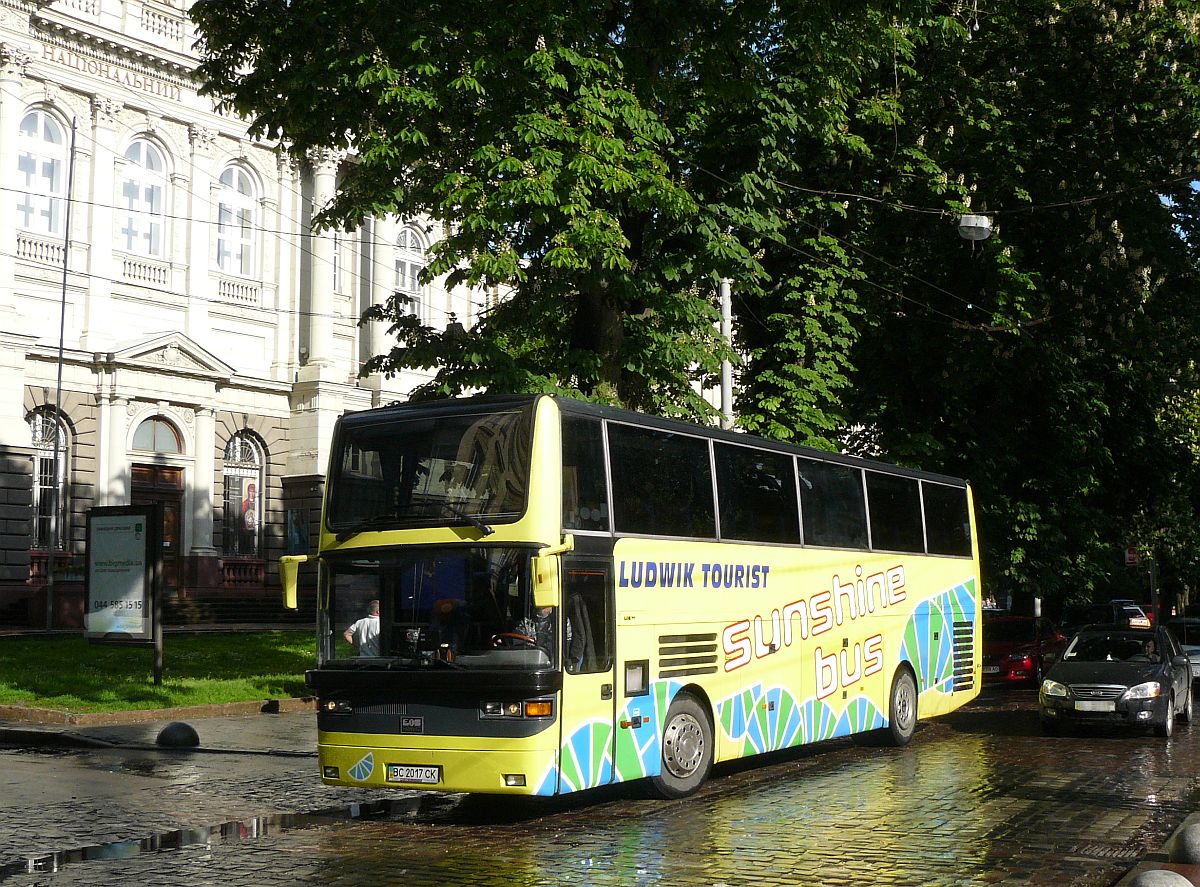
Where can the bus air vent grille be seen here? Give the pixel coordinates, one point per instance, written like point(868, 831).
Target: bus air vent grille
point(680, 655)
point(964, 655)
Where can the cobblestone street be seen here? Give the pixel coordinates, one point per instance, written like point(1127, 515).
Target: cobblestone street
point(980, 797)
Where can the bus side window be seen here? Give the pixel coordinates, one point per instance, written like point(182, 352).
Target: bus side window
point(587, 644)
point(585, 489)
point(832, 504)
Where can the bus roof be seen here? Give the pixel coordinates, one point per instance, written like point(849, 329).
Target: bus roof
point(617, 414)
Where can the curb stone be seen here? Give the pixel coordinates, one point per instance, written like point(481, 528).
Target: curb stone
point(55, 717)
point(1161, 860)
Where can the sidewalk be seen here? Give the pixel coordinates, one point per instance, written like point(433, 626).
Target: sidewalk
point(70, 792)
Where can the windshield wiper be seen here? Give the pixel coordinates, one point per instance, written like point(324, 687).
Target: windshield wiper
point(374, 522)
point(469, 518)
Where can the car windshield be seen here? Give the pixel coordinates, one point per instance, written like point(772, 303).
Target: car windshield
point(1112, 646)
point(456, 607)
point(1005, 631)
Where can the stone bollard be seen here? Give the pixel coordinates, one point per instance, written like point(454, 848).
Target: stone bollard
point(178, 735)
point(1160, 878)
point(1185, 844)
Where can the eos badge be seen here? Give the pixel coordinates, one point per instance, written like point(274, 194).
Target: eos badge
point(412, 725)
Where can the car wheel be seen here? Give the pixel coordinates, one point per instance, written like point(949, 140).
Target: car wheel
point(1167, 726)
point(1185, 715)
point(687, 749)
point(902, 709)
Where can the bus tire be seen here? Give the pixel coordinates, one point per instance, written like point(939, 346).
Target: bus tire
point(687, 749)
point(902, 708)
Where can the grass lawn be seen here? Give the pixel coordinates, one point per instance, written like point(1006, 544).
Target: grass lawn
point(70, 674)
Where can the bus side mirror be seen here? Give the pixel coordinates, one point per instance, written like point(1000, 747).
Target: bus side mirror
point(545, 580)
point(289, 569)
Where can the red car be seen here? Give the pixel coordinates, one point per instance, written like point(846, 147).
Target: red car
point(1019, 649)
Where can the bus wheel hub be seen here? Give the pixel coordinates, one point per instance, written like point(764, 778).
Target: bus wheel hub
point(683, 746)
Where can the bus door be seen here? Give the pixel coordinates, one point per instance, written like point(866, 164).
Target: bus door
point(588, 694)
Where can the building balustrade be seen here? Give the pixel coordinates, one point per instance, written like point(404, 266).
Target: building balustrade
point(136, 269)
point(248, 573)
point(243, 292)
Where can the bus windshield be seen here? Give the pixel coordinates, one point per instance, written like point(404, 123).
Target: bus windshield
point(430, 471)
point(460, 607)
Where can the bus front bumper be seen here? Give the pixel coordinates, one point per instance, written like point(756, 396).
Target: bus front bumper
point(527, 771)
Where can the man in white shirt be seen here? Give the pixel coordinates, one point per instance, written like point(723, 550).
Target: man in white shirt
point(364, 633)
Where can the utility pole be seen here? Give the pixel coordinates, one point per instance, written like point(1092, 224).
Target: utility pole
point(726, 367)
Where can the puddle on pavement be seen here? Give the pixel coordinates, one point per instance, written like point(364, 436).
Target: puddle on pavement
point(233, 831)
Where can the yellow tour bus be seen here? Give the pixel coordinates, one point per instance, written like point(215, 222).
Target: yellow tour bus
point(573, 595)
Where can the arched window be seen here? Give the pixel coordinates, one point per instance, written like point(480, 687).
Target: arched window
point(41, 171)
point(243, 475)
point(157, 435)
point(237, 211)
point(142, 193)
point(410, 259)
point(49, 480)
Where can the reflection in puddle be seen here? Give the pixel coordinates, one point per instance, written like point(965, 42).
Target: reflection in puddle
point(207, 837)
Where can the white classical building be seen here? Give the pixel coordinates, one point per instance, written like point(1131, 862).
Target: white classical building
point(208, 339)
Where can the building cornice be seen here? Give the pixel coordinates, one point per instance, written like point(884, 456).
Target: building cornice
point(91, 40)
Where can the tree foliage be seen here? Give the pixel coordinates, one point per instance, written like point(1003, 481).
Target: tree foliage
point(607, 163)
point(1045, 363)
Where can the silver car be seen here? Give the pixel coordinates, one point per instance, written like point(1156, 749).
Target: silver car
point(1187, 631)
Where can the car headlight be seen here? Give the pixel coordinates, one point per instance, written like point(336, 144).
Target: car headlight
point(1148, 690)
point(1053, 688)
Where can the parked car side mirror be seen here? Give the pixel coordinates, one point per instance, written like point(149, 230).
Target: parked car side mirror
point(1181, 662)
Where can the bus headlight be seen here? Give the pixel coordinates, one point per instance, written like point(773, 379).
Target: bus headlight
point(337, 706)
point(530, 708)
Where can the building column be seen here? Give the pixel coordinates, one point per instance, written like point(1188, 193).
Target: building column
point(201, 215)
point(287, 328)
point(383, 279)
point(203, 562)
point(97, 312)
point(321, 295)
point(13, 62)
point(202, 483)
point(115, 483)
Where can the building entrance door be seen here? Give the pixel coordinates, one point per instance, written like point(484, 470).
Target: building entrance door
point(163, 484)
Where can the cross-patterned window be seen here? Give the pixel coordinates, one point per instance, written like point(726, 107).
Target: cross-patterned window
point(237, 211)
point(41, 174)
point(142, 194)
point(410, 259)
point(243, 476)
point(51, 456)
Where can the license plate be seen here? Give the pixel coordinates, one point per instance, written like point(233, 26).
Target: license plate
point(1095, 706)
point(991, 669)
point(414, 773)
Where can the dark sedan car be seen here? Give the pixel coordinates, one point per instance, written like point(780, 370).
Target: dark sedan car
point(1113, 674)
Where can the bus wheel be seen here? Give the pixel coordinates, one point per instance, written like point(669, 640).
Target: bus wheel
point(687, 749)
point(902, 710)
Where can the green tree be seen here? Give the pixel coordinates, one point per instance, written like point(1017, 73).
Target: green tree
point(1040, 363)
point(606, 163)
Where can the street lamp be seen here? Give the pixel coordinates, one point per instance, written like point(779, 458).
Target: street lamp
point(974, 227)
